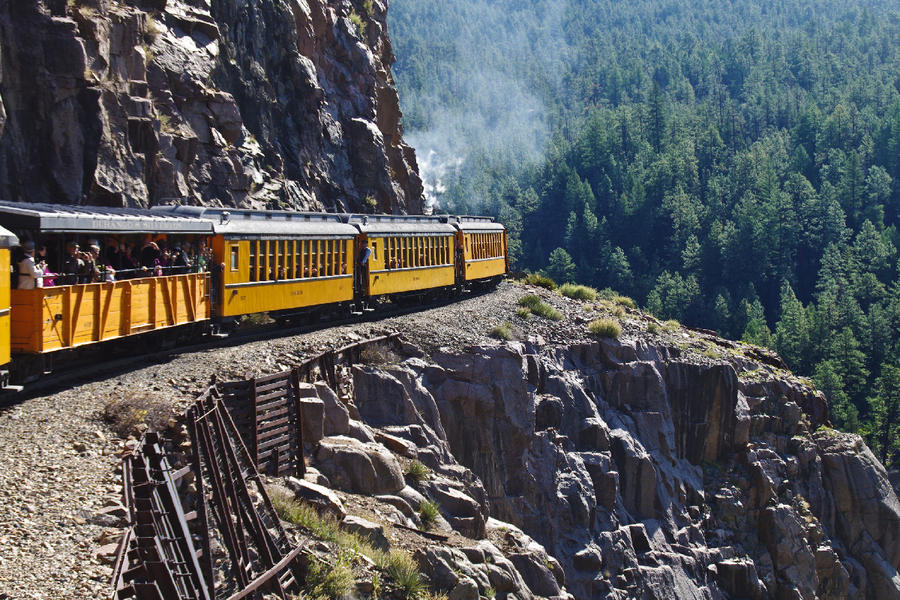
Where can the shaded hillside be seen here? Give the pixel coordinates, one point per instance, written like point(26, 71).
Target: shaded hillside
point(261, 104)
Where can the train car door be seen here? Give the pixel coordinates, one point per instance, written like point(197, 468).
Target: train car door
point(361, 269)
point(459, 258)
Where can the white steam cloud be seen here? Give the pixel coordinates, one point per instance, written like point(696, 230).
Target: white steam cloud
point(495, 61)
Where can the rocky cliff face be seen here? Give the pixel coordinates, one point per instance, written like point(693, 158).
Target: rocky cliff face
point(263, 103)
point(621, 469)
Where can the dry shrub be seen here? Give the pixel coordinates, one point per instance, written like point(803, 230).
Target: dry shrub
point(133, 415)
point(377, 355)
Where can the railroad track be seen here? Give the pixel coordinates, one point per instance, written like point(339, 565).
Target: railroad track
point(90, 368)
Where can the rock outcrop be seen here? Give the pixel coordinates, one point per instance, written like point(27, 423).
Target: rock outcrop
point(619, 469)
point(266, 104)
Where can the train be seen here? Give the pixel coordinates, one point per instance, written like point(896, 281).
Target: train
point(180, 271)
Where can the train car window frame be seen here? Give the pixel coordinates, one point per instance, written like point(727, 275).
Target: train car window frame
point(235, 250)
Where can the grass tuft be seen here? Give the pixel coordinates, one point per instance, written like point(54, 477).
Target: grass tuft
point(402, 569)
point(607, 328)
point(523, 312)
point(652, 327)
point(396, 564)
point(624, 301)
point(502, 332)
point(326, 581)
point(428, 513)
point(537, 306)
point(578, 292)
point(540, 281)
point(671, 325)
point(417, 472)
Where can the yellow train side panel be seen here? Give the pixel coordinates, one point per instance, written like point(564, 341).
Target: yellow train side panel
point(487, 267)
point(268, 296)
point(4, 307)
point(395, 281)
point(54, 318)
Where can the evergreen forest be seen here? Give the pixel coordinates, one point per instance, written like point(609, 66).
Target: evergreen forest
point(732, 165)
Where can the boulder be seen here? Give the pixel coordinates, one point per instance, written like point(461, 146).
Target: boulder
point(373, 532)
point(313, 419)
point(337, 417)
point(319, 496)
point(363, 468)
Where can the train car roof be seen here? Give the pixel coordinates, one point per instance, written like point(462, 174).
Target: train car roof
point(96, 219)
point(8, 239)
point(262, 223)
point(467, 223)
point(401, 224)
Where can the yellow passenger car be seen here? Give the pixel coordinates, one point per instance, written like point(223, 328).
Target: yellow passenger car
point(70, 311)
point(409, 254)
point(277, 261)
point(483, 248)
point(7, 241)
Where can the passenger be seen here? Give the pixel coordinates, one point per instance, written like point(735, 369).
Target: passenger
point(30, 275)
point(150, 254)
point(125, 260)
point(92, 264)
point(179, 262)
point(73, 267)
point(41, 258)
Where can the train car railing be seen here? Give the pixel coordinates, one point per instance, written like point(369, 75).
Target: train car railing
point(55, 318)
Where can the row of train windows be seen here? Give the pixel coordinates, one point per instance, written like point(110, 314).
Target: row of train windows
point(486, 245)
point(411, 252)
point(274, 260)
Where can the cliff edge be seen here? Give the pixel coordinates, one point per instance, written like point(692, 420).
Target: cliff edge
point(667, 463)
point(265, 104)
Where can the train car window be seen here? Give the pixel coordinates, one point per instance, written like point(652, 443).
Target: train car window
point(337, 256)
point(292, 260)
point(234, 257)
point(304, 258)
point(431, 251)
point(331, 259)
point(321, 265)
point(252, 261)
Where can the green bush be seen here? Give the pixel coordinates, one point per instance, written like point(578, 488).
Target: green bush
point(578, 292)
point(428, 513)
point(361, 28)
point(540, 281)
point(523, 312)
point(652, 327)
point(605, 328)
point(502, 332)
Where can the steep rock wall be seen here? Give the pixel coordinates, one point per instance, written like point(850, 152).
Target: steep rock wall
point(237, 102)
point(649, 475)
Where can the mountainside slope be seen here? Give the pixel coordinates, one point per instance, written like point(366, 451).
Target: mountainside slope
point(666, 463)
point(265, 104)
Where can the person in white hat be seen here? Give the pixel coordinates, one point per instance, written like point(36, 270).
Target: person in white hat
point(30, 275)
